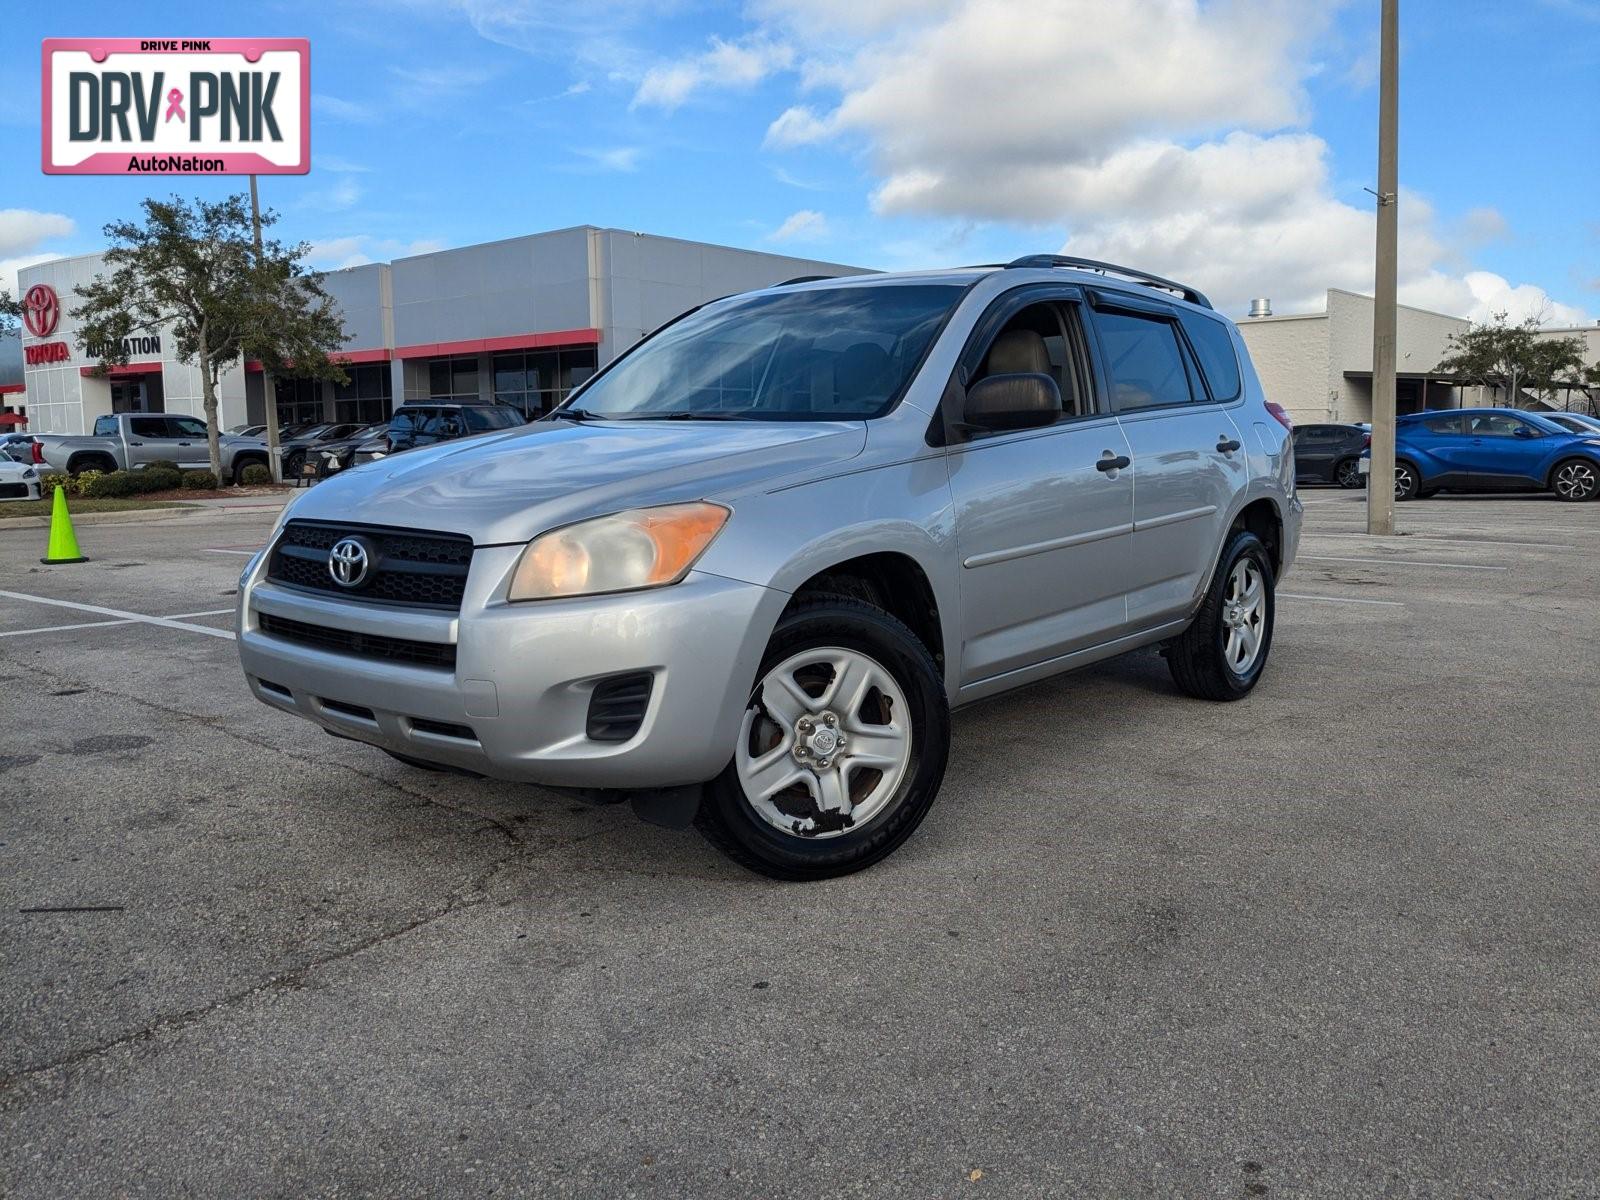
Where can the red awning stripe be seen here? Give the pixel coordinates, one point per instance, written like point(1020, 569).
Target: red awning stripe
point(377, 355)
point(517, 341)
point(144, 368)
point(10, 389)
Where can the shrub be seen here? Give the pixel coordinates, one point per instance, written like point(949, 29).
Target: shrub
point(50, 480)
point(256, 473)
point(161, 478)
point(110, 485)
point(162, 464)
point(197, 481)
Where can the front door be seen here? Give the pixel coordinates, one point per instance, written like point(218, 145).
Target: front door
point(1504, 451)
point(189, 439)
point(1042, 521)
point(1189, 459)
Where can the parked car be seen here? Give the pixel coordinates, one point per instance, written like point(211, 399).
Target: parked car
point(1330, 453)
point(18, 481)
point(1575, 422)
point(1493, 449)
point(742, 576)
point(251, 431)
point(339, 454)
point(296, 449)
point(130, 441)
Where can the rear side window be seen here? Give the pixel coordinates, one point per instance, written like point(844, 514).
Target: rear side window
point(1144, 360)
point(1442, 424)
point(1213, 345)
point(148, 427)
point(105, 427)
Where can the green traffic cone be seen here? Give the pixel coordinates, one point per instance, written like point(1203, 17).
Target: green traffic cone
point(63, 542)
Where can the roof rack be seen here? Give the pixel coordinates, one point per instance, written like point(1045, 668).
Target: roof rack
point(1089, 264)
point(805, 279)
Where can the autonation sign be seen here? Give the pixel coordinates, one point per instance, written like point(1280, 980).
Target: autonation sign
point(149, 106)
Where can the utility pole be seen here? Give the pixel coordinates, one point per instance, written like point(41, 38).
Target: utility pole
point(274, 459)
point(1380, 482)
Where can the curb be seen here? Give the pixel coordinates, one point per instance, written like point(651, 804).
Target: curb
point(105, 518)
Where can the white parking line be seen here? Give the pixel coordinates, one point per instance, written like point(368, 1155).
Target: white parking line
point(210, 612)
point(1397, 562)
point(246, 553)
point(1414, 538)
point(120, 614)
point(1339, 599)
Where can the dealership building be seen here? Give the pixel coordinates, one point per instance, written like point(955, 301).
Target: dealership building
point(520, 321)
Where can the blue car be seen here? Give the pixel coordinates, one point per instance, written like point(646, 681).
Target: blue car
point(1493, 450)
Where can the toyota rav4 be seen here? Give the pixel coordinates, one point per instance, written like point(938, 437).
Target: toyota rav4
point(744, 574)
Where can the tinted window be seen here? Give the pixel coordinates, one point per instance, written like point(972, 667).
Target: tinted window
point(1214, 347)
point(105, 427)
point(148, 427)
point(491, 417)
point(841, 352)
point(1500, 425)
point(1144, 361)
point(186, 427)
point(409, 419)
point(1442, 424)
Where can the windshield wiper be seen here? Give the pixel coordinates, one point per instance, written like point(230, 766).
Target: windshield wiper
point(572, 414)
point(691, 415)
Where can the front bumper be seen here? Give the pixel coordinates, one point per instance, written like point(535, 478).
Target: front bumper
point(516, 704)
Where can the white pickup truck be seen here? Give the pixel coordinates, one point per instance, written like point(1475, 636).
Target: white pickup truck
point(132, 441)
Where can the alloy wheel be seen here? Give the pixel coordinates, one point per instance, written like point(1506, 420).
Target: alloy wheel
point(1576, 481)
point(825, 742)
point(1244, 616)
point(1404, 481)
point(1349, 474)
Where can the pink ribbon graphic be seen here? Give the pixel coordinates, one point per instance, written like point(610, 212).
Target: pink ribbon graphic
point(175, 106)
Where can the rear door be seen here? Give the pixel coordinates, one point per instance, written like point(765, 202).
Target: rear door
point(1042, 514)
point(1314, 446)
point(150, 440)
point(188, 434)
point(1189, 460)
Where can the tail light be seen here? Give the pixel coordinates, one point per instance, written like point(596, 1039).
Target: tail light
point(38, 453)
point(1366, 441)
point(1281, 416)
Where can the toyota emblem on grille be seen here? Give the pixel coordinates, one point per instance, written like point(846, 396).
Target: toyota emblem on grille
point(349, 562)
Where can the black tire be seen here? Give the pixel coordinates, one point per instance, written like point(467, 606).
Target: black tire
point(1196, 658)
point(239, 465)
point(1575, 480)
point(1407, 480)
point(1347, 473)
point(728, 820)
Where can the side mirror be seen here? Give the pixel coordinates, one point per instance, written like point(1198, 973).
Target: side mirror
point(1021, 401)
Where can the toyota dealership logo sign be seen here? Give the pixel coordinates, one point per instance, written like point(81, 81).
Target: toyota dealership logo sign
point(41, 310)
point(213, 106)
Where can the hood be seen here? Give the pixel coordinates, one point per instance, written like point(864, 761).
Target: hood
point(510, 487)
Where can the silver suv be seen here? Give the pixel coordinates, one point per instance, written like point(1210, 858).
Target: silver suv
point(743, 575)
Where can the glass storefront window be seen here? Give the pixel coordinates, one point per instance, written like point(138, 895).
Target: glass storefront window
point(453, 378)
point(299, 401)
point(368, 397)
point(537, 381)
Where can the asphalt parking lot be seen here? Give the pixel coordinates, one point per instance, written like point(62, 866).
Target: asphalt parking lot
point(1342, 938)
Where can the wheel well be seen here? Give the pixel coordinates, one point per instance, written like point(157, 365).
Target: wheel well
point(892, 582)
point(89, 460)
point(1550, 478)
point(1261, 518)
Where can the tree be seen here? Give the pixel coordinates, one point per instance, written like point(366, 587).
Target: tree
point(10, 311)
point(1498, 354)
point(193, 271)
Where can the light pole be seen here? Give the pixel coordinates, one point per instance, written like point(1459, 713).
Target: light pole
point(1380, 481)
point(274, 461)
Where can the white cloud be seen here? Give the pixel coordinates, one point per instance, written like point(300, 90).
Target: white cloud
point(806, 225)
point(738, 64)
point(355, 250)
point(339, 109)
point(345, 193)
point(618, 158)
point(21, 229)
point(10, 266)
point(1166, 133)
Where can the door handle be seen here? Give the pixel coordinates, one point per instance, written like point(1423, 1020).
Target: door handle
point(1113, 464)
point(183, 443)
point(1227, 445)
point(135, 443)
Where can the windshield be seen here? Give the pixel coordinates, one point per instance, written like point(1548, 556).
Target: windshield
point(837, 354)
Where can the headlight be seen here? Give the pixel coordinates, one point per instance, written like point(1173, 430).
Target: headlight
point(30, 473)
point(1591, 441)
point(626, 551)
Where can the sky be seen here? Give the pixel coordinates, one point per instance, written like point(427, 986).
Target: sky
point(1226, 143)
